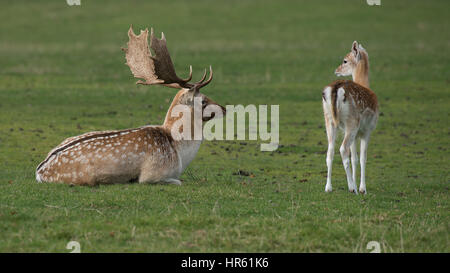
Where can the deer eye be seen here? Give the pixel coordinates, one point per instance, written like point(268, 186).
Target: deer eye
point(345, 61)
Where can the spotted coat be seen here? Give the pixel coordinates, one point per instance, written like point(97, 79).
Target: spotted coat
point(145, 154)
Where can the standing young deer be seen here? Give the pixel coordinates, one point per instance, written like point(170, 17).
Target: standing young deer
point(352, 107)
point(148, 154)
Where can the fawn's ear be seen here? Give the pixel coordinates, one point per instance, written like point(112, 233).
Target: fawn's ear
point(355, 50)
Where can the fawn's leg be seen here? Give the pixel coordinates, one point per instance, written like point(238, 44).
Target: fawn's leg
point(363, 155)
point(349, 138)
point(354, 157)
point(331, 134)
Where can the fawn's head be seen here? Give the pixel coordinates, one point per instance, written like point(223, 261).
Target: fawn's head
point(159, 70)
point(355, 58)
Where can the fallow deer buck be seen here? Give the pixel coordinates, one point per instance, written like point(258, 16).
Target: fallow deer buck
point(352, 107)
point(149, 154)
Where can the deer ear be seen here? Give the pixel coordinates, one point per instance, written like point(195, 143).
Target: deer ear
point(355, 50)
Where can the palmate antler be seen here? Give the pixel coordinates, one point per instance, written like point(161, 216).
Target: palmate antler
point(157, 69)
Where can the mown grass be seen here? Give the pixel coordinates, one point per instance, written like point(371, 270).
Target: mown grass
point(62, 73)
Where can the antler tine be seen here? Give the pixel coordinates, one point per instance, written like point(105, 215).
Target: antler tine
point(190, 74)
point(202, 79)
point(202, 84)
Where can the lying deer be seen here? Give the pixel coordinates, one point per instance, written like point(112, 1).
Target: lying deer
point(148, 154)
point(352, 107)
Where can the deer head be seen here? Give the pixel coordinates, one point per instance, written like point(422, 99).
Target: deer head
point(356, 64)
point(158, 69)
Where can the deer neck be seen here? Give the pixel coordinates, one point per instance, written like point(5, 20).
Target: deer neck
point(176, 119)
point(361, 73)
point(187, 149)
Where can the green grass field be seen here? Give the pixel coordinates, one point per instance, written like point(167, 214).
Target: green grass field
point(62, 73)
